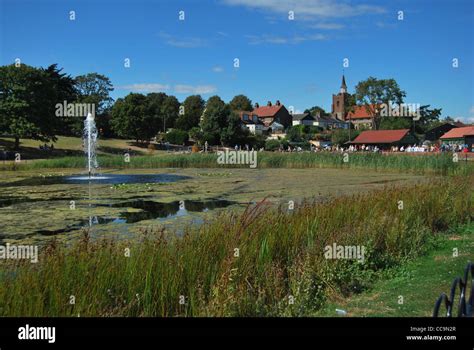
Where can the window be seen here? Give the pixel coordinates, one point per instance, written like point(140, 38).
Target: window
point(255, 118)
point(246, 117)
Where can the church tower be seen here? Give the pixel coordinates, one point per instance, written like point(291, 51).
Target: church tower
point(339, 101)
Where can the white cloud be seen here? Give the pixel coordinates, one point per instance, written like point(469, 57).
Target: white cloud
point(217, 69)
point(310, 9)
point(327, 26)
point(279, 40)
point(146, 87)
point(465, 120)
point(470, 118)
point(382, 24)
point(183, 42)
point(178, 88)
point(190, 89)
point(311, 88)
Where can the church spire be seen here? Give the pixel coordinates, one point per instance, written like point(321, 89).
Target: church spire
point(343, 85)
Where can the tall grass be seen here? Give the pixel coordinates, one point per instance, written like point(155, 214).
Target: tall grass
point(249, 264)
point(441, 164)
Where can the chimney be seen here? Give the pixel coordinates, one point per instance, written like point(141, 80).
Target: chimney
point(277, 102)
point(269, 103)
point(256, 105)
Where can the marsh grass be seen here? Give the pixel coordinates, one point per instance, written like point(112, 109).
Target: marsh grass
point(440, 164)
point(280, 254)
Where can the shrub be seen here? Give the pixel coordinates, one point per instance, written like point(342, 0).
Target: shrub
point(272, 145)
point(177, 137)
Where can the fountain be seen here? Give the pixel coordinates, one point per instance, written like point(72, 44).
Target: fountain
point(90, 143)
point(89, 140)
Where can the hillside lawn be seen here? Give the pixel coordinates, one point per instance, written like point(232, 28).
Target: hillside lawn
point(70, 146)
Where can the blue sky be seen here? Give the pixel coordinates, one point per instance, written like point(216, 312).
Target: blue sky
point(298, 61)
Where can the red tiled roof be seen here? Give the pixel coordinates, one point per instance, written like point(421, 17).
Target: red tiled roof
point(250, 115)
point(360, 112)
point(241, 114)
point(457, 133)
point(381, 136)
point(267, 111)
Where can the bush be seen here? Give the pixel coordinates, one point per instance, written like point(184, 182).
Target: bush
point(295, 133)
point(272, 145)
point(341, 136)
point(177, 137)
point(256, 141)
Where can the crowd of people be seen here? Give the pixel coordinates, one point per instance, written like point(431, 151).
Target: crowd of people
point(377, 149)
point(454, 148)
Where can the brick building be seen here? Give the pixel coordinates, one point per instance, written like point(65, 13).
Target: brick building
point(359, 116)
point(273, 113)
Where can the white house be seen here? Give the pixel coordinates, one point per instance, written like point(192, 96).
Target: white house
point(303, 119)
point(251, 121)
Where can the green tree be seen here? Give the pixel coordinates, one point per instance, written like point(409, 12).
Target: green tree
point(240, 103)
point(130, 118)
point(394, 123)
point(295, 133)
point(341, 136)
point(193, 109)
point(315, 110)
point(349, 104)
point(256, 141)
point(371, 93)
point(215, 117)
point(28, 97)
point(272, 145)
point(197, 135)
point(154, 110)
point(233, 133)
point(59, 87)
point(95, 88)
point(169, 110)
point(428, 118)
point(177, 137)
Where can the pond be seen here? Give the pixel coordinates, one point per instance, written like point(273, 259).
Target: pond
point(35, 208)
point(110, 179)
point(37, 205)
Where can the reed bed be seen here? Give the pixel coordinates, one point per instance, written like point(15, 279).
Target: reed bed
point(440, 164)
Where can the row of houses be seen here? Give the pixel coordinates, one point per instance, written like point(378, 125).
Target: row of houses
point(276, 118)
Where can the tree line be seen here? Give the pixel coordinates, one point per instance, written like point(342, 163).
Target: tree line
point(29, 97)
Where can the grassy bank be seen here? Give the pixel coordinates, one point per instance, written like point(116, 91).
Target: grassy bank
point(69, 146)
point(441, 164)
point(263, 262)
point(420, 282)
